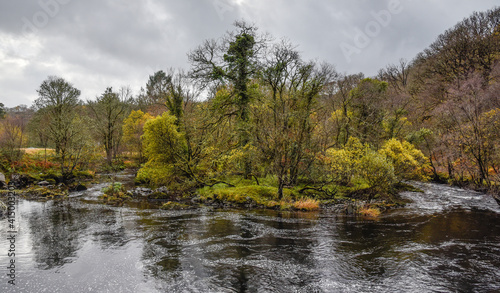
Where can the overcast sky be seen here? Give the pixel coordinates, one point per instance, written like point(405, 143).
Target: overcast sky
point(95, 44)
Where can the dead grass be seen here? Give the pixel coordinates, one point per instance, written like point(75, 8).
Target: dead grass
point(369, 212)
point(307, 204)
point(33, 151)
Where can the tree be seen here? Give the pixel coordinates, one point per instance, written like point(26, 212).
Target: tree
point(284, 112)
point(11, 138)
point(170, 89)
point(164, 145)
point(233, 61)
point(133, 129)
point(409, 162)
point(108, 113)
point(59, 100)
point(340, 99)
point(39, 129)
point(2, 111)
point(368, 114)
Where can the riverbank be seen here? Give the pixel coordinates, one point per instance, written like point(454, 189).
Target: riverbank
point(351, 201)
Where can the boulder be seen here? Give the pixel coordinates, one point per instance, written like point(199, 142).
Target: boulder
point(140, 192)
point(162, 189)
point(3, 184)
point(21, 180)
point(43, 183)
point(80, 187)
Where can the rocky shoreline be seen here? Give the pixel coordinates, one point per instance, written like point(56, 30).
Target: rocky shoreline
point(167, 199)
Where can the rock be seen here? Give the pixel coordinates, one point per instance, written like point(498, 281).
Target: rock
point(21, 180)
point(162, 189)
point(80, 187)
point(496, 197)
point(43, 183)
point(141, 192)
point(3, 184)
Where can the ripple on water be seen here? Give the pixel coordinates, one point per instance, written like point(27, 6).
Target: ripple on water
point(439, 197)
point(447, 241)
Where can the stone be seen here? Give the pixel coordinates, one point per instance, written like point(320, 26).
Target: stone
point(141, 192)
point(162, 189)
point(80, 187)
point(43, 183)
point(21, 180)
point(3, 184)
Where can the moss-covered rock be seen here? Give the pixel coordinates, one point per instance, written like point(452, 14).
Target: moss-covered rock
point(41, 192)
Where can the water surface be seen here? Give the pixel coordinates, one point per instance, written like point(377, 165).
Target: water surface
point(448, 240)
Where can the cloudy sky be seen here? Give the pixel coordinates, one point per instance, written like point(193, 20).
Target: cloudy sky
point(95, 44)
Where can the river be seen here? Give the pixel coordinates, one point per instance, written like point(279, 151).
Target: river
point(447, 240)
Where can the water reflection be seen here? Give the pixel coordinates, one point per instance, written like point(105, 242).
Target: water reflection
point(77, 246)
point(55, 231)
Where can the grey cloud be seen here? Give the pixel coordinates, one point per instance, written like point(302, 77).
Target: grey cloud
point(95, 44)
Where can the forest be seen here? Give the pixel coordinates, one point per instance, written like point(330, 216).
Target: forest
point(251, 121)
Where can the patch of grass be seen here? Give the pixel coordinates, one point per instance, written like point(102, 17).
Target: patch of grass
point(257, 194)
point(264, 196)
point(306, 204)
point(370, 212)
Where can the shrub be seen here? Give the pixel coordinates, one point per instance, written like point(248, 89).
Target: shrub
point(377, 171)
point(156, 174)
point(409, 162)
point(115, 189)
point(344, 162)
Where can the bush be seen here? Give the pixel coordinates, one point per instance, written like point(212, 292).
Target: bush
point(377, 171)
point(115, 189)
point(409, 162)
point(344, 162)
point(155, 174)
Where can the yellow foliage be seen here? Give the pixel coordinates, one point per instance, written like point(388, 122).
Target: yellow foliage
point(408, 161)
point(133, 129)
point(161, 139)
point(376, 170)
point(344, 162)
point(369, 212)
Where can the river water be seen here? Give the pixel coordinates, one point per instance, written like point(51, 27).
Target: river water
point(447, 240)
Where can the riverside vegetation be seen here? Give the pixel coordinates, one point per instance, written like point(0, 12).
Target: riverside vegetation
point(252, 124)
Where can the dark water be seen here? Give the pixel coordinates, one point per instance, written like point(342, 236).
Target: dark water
point(448, 240)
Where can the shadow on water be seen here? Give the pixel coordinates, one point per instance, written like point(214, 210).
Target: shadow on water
point(446, 241)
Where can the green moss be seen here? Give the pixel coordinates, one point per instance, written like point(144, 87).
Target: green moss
point(256, 194)
point(43, 192)
point(84, 174)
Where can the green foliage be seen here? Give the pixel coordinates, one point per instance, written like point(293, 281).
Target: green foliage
point(133, 129)
point(376, 170)
point(156, 174)
point(114, 189)
point(344, 163)
point(2, 111)
point(408, 162)
point(357, 164)
point(162, 141)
